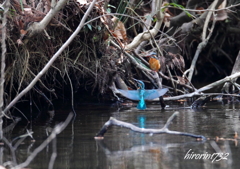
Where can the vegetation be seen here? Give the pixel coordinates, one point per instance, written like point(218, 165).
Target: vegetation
point(202, 36)
point(101, 45)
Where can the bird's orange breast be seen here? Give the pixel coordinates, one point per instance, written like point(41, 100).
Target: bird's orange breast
point(154, 64)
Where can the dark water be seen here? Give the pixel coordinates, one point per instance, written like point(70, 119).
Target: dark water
point(122, 148)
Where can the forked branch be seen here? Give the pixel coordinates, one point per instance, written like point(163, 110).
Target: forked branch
point(112, 121)
point(146, 35)
point(40, 26)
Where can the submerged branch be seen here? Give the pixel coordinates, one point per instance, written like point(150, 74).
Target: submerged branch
point(112, 121)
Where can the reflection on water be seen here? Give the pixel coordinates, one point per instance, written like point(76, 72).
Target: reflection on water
point(122, 148)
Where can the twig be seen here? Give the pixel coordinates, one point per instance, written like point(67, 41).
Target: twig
point(14, 161)
point(157, 79)
point(236, 68)
point(203, 10)
point(10, 127)
point(21, 139)
point(139, 65)
point(175, 81)
point(3, 64)
point(170, 75)
point(112, 121)
point(13, 148)
point(207, 87)
point(147, 24)
point(72, 93)
point(204, 40)
point(55, 56)
point(148, 34)
point(131, 58)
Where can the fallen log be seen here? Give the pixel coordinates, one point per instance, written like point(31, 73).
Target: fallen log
point(164, 130)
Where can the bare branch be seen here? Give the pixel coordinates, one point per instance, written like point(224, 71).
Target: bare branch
point(236, 68)
point(146, 35)
point(3, 64)
point(207, 87)
point(112, 121)
point(51, 61)
point(203, 10)
point(40, 26)
point(204, 40)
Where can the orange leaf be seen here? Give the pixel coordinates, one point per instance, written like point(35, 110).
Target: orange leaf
point(119, 30)
point(23, 32)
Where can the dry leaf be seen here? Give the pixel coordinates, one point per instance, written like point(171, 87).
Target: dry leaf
point(23, 32)
point(222, 14)
point(176, 60)
point(167, 14)
point(166, 19)
point(115, 27)
point(223, 5)
point(119, 30)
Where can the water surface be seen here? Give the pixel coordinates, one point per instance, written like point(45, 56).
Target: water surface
point(122, 148)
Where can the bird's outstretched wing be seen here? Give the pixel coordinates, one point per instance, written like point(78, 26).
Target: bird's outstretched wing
point(154, 93)
point(148, 95)
point(131, 94)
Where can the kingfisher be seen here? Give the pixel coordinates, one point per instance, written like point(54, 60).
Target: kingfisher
point(154, 63)
point(141, 94)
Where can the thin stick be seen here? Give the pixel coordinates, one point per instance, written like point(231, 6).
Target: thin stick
point(151, 33)
point(203, 10)
point(3, 64)
point(58, 129)
point(204, 40)
point(207, 87)
point(170, 75)
point(55, 56)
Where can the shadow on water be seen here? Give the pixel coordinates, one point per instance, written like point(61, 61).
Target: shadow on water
point(122, 148)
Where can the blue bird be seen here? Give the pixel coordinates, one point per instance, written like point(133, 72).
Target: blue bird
point(141, 94)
